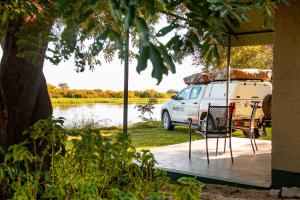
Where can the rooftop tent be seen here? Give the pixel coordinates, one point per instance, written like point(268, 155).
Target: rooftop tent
point(252, 32)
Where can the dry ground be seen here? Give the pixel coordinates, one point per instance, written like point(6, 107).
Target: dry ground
point(221, 192)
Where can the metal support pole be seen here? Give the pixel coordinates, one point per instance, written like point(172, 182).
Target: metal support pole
point(228, 69)
point(126, 69)
point(190, 132)
point(227, 89)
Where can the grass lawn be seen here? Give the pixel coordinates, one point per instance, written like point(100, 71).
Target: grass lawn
point(147, 135)
point(268, 137)
point(75, 101)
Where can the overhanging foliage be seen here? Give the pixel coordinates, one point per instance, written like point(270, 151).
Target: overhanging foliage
point(86, 29)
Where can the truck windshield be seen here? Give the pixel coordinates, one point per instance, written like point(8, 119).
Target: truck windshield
point(184, 94)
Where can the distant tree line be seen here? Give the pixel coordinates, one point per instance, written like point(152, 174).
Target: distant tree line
point(63, 91)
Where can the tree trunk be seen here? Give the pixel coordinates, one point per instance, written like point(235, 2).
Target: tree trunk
point(24, 97)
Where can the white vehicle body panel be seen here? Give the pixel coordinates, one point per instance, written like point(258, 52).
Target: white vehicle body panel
point(242, 93)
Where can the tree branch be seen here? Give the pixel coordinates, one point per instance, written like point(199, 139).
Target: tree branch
point(174, 15)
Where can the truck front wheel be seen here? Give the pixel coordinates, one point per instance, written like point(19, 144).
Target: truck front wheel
point(166, 120)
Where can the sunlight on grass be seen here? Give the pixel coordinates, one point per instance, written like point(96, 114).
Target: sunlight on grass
point(147, 135)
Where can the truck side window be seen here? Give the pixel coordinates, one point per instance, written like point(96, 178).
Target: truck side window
point(195, 92)
point(184, 94)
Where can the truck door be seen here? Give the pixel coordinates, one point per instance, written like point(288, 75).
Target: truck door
point(192, 105)
point(178, 108)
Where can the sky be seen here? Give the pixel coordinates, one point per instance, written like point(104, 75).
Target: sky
point(110, 76)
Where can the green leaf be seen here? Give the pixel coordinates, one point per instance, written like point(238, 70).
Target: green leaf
point(175, 43)
point(142, 28)
point(118, 42)
point(157, 62)
point(104, 34)
point(216, 51)
point(195, 40)
point(5, 16)
point(116, 193)
point(114, 10)
point(97, 45)
point(210, 54)
point(241, 5)
point(130, 15)
point(143, 58)
point(157, 196)
point(224, 13)
point(164, 31)
point(133, 2)
point(150, 6)
point(167, 58)
point(62, 4)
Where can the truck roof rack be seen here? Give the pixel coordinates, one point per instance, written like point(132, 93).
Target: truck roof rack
point(205, 83)
point(240, 79)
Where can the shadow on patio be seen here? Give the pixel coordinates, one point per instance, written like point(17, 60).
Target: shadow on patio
point(248, 169)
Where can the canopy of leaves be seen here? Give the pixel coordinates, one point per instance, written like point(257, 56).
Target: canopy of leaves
point(241, 57)
point(86, 28)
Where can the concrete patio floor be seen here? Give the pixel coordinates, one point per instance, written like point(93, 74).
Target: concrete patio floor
point(248, 168)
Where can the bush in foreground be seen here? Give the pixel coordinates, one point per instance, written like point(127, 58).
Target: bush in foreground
point(84, 165)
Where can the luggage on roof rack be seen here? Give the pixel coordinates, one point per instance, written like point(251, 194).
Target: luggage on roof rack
point(235, 74)
point(244, 74)
point(198, 78)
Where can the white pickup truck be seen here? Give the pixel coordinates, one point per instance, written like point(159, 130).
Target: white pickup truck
point(193, 101)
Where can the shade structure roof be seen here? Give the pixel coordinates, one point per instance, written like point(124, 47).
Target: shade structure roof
point(252, 32)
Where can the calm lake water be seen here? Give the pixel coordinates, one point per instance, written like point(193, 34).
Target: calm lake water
point(100, 113)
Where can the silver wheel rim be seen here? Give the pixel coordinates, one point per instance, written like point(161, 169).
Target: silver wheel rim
point(166, 120)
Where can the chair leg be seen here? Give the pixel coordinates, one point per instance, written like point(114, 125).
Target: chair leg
point(251, 136)
point(207, 151)
point(217, 148)
point(224, 145)
point(230, 146)
point(255, 142)
point(190, 144)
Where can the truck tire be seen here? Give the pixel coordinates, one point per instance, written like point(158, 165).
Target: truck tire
point(267, 106)
point(166, 121)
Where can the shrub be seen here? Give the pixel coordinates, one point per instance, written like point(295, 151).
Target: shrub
point(146, 110)
point(64, 92)
point(85, 165)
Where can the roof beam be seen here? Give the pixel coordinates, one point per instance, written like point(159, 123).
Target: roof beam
point(252, 32)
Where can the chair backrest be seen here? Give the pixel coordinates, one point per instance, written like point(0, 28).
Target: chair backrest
point(219, 119)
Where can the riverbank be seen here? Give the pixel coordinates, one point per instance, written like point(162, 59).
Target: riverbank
point(76, 101)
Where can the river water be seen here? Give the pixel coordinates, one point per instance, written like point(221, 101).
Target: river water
point(100, 114)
